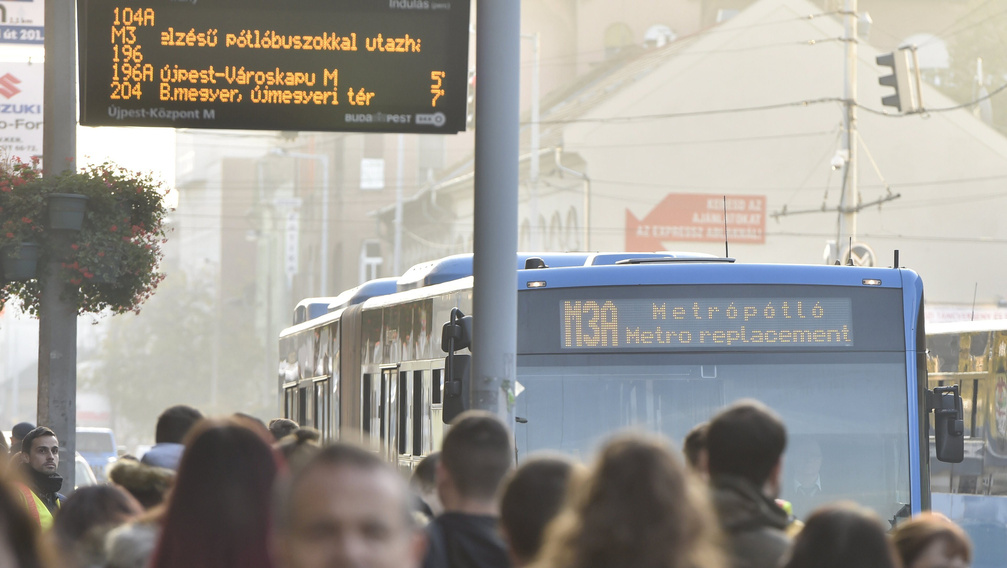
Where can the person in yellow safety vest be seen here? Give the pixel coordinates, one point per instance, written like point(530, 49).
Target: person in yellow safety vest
point(39, 460)
point(794, 525)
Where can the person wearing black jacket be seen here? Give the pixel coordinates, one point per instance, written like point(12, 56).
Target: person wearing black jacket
point(39, 459)
point(475, 457)
point(745, 444)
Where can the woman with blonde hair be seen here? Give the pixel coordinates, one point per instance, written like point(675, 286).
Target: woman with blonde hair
point(638, 508)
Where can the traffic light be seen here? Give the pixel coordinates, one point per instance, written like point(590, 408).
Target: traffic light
point(903, 78)
point(470, 101)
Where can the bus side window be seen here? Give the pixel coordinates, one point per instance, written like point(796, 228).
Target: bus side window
point(366, 404)
point(403, 410)
point(302, 406)
point(438, 386)
point(418, 413)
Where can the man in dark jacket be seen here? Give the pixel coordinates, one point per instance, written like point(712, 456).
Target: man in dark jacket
point(172, 426)
point(475, 457)
point(40, 458)
point(745, 444)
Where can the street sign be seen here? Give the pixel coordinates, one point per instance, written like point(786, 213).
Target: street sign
point(862, 255)
point(329, 65)
point(21, 110)
point(21, 22)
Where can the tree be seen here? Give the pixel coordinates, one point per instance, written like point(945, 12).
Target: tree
point(980, 33)
point(178, 351)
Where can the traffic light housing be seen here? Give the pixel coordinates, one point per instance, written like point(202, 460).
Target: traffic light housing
point(903, 78)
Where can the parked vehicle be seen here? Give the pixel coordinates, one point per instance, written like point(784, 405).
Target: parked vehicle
point(83, 474)
point(97, 445)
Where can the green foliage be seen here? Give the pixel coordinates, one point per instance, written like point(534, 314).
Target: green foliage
point(178, 351)
point(112, 263)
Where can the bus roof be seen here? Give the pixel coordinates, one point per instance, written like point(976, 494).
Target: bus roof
point(651, 273)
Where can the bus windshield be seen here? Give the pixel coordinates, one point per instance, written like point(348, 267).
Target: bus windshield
point(846, 413)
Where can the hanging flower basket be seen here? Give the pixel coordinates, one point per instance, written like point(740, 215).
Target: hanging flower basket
point(20, 263)
point(66, 211)
point(112, 262)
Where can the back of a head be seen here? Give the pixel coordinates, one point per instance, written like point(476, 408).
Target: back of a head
point(912, 537)
point(477, 452)
point(424, 476)
point(637, 508)
point(218, 512)
point(95, 507)
point(694, 445)
point(298, 446)
point(531, 498)
point(17, 434)
point(148, 484)
point(842, 535)
point(282, 427)
point(747, 440)
point(174, 423)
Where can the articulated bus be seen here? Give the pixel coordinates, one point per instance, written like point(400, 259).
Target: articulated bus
point(973, 355)
point(655, 341)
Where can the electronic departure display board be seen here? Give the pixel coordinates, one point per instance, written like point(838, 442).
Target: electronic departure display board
point(690, 323)
point(330, 65)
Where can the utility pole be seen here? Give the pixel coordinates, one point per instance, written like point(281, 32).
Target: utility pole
point(494, 333)
point(850, 198)
point(57, 335)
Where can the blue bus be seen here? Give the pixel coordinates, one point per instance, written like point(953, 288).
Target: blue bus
point(973, 357)
point(656, 341)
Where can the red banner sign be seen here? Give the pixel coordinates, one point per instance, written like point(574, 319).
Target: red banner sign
point(698, 217)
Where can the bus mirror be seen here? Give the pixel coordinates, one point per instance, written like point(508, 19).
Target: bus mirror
point(456, 395)
point(457, 333)
point(949, 424)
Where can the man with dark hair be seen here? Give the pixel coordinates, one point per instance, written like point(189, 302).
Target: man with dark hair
point(17, 433)
point(745, 444)
point(475, 456)
point(346, 508)
point(172, 426)
point(39, 460)
point(531, 498)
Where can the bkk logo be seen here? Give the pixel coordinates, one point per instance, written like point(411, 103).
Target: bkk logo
point(7, 88)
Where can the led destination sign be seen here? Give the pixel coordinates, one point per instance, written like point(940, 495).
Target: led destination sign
point(684, 323)
point(332, 65)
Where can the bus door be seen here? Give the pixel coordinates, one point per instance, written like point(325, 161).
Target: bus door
point(322, 404)
point(415, 411)
point(387, 410)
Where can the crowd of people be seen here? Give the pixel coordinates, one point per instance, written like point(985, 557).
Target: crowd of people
point(238, 493)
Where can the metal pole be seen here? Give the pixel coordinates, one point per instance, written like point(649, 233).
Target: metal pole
point(849, 201)
point(57, 334)
point(494, 342)
point(397, 259)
